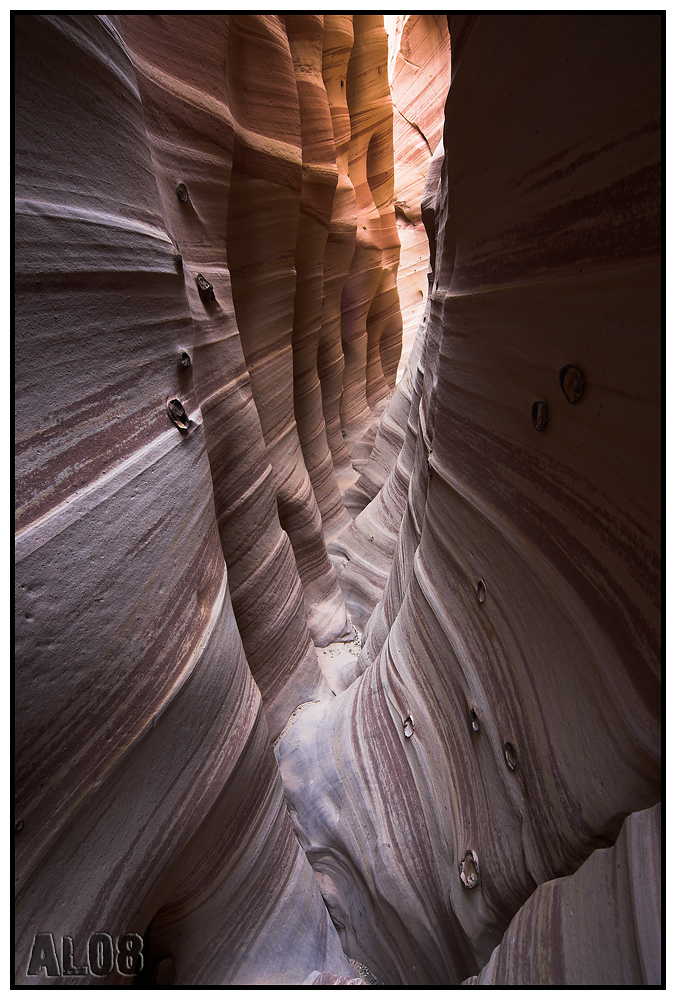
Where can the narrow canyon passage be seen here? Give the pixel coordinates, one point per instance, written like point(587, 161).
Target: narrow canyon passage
point(337, 511)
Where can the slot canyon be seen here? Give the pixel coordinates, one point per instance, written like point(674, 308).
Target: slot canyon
point(337, 499)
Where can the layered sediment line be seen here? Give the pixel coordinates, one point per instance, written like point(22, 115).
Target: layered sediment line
point(215, 468)
point(596, 926)
point(507, 719)
point(141, 735)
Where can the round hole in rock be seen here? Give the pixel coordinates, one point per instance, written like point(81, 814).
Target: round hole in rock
point(511, 755)
point(205, 288)
point(177, 414)
point(540, 415)
point(572, 383)
point(408, 727)
point(469, 870)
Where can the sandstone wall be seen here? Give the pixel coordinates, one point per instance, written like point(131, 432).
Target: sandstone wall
point(600, 925)
point(213, 467)
point(175, 194)
point(507, 719)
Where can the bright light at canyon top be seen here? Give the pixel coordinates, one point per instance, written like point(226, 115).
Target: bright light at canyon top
point(418, 66)
point(391, 21)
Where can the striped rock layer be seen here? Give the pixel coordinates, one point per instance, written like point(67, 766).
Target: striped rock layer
point(213, 466)
point(600, 926)
point(182, 197)
point(506, 716)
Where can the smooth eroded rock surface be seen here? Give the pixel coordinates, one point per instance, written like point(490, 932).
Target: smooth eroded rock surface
point(148, 799)
point(218, 477)
point(600, 926)
point(509, 708)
